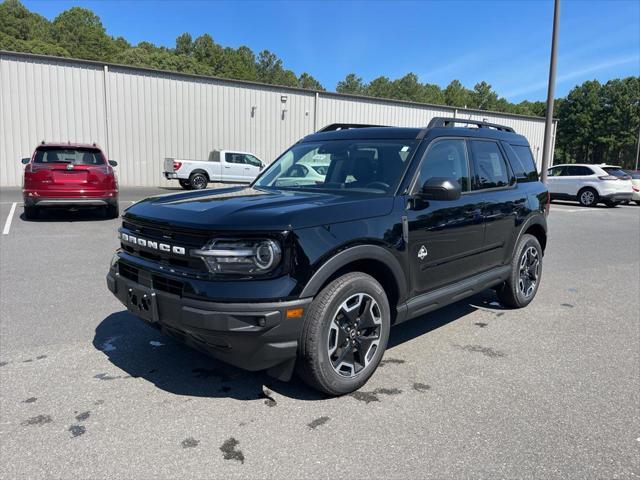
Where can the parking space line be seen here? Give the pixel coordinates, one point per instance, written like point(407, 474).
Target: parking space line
point(7, 224)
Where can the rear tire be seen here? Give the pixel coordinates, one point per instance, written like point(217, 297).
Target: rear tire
point(198, 181)
point(588, 197)
point(349, 315)
point(112, 211)
point(31, 213)
point(185, 184)
point(526, 271)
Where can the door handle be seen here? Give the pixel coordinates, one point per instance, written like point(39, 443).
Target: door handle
point(227, 166)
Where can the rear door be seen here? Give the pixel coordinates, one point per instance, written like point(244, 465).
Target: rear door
point(575, 177)
point(494, 184)
point(445, 237)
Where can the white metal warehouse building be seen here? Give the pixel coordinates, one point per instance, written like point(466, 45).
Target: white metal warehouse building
point(140, 116)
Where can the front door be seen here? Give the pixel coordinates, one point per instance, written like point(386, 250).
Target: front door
point(445, 237)
point(233, 168)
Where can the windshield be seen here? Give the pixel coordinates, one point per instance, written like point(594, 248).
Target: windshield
point(77, 156)
point(374, 166)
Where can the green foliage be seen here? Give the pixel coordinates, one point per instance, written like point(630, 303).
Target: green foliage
point(597, 123)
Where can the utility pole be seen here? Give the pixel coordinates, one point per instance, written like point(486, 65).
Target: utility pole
point(548, 124)
point(638, 150)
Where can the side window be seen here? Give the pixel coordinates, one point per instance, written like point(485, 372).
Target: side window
point(522, 162)
point(490, 168)
point(251, 160)
point(231, 157)
point(578, 171)
point(448, 159)
point(555, 171)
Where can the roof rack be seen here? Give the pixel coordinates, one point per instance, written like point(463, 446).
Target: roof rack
point(345, 126)
point(437, 122)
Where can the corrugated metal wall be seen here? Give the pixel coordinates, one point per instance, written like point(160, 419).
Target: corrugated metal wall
point(141, 116)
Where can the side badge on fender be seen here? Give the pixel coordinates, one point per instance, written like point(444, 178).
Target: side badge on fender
point(423, 252)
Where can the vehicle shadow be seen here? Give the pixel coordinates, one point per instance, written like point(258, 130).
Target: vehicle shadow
point(144, 352)
point(49, 215)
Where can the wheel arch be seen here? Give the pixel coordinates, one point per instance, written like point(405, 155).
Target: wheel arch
point(200, 170)
point(536, 226)
point(370, 259)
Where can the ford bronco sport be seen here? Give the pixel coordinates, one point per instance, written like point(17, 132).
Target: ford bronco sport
point(284, 276)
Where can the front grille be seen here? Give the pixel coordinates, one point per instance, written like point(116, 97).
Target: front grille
point(177, 237)
point(128, 272)
point(168, 285)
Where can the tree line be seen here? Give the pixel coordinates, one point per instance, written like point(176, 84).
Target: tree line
point(597, 122)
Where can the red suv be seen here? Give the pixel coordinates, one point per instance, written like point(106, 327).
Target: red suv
point(69, 175)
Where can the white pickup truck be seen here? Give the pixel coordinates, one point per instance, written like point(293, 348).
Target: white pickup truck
point(221, 166)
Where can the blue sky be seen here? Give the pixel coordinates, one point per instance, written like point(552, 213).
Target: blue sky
point(505, 43)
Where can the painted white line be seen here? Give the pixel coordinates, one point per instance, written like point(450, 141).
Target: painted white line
point(7, 224)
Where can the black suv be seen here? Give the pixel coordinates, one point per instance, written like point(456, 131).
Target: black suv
point(294, 270)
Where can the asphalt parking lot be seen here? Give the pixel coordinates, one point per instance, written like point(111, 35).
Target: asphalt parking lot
point(473, 390)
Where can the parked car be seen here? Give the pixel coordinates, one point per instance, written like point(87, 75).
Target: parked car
point(407, 220)
point(589, 184)
point(635, 185)
point(221, 166)
point(69, 175)
point(304, 172)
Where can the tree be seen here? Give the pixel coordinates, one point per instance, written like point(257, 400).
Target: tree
point(80, 32)
point(456, 95)
point(307, 81)
point(483, 97)
point(184, 44)
point(380, 87)
point(351, 84)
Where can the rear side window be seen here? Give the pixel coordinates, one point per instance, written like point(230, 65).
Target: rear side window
point(616, 172)
point(522, 162)
point(76, 156)
point(490, 168)
point(578, 171)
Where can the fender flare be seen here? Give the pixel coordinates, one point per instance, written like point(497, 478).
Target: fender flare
point(352, 254)
point(535, 219)
point(200, 170)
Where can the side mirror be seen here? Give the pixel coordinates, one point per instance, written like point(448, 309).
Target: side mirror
point(113, 163)
point(25, 161)
point(441, 188)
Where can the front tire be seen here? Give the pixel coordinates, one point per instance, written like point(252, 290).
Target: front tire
point(588, 197)
point(344, 335)
point(198, 181)
point(526, 271)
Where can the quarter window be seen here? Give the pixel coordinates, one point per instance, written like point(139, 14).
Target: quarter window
point(445, 159)
point(490, 168)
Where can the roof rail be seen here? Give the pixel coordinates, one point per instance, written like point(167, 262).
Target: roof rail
point(450, 122)
point(345, 126)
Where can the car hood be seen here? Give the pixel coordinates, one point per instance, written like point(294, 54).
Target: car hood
point(247, 208)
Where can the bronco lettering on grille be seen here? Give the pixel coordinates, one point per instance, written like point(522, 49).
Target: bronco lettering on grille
point(143, 242)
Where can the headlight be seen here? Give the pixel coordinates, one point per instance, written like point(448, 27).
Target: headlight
point(241, 256)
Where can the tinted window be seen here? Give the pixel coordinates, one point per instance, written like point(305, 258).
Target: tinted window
point(445, 159)
point(251, 160)
point(576, 170)
point(77, 156)
point(616, 172)
point(522, 163)
point(234, 157)
point(374, 166)
point(556, 172)
point(490, 168)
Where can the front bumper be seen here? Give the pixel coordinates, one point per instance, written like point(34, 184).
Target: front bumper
point(252, 336)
